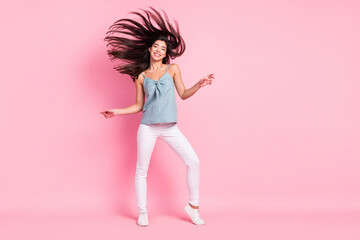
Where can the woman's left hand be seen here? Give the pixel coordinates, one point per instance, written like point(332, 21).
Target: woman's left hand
point(206, 80)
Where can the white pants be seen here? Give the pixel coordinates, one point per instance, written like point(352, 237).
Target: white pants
point(146, 138)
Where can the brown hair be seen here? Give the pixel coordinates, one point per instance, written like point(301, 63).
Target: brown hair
point(133, 49)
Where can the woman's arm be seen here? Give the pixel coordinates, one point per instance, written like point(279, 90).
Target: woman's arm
point(137, 107)
point(180, 87)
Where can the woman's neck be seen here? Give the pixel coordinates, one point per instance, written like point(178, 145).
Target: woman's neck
point(155, 65)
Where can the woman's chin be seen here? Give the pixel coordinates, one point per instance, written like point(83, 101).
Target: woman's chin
point(157, 58)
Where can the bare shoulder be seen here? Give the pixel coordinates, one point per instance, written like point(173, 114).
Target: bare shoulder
point(173, 69)
point(173, 66)
point(139, 79)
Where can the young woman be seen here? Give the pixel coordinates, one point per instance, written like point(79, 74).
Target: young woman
point(146, 52)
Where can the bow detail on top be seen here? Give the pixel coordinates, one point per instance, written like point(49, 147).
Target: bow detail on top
point(159, 86)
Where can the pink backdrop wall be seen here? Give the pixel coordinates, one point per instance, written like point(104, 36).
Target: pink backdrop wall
point(278, 128)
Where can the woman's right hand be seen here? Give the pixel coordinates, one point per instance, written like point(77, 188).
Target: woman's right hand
point(109, 113)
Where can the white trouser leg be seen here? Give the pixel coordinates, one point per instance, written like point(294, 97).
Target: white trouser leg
point(146, 139)
point(178, 142)
point(169, 132)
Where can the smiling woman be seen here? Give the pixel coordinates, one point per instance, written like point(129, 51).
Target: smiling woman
point(159, 48)
point(134, 39)
point(147, 60)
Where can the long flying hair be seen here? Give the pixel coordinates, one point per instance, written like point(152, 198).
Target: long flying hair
point(132, 48)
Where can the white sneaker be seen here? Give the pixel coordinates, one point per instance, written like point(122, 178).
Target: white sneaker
point(143, 219)
point(194, 214)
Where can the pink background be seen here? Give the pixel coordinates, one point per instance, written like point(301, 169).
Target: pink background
point(277, 130)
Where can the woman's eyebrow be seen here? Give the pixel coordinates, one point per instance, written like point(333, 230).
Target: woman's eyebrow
point(158, 44)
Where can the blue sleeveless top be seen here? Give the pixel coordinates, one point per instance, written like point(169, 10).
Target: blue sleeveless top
point(160, 104)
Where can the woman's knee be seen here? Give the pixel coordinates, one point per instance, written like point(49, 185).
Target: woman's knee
point(193, 162)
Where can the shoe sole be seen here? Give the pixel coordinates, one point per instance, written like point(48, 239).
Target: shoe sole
point(142, 225)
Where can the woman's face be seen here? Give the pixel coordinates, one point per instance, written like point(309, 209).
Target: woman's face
point(158, 50)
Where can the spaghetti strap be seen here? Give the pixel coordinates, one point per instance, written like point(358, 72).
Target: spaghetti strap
point(167, 67)
point(143, 74)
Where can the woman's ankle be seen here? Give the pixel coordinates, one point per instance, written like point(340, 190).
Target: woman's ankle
point(194, 207)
